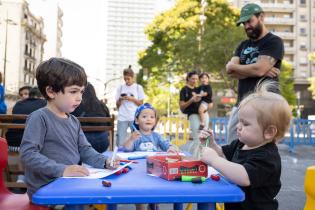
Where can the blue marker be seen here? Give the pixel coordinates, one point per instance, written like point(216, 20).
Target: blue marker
point(134, 127)
point(137, 157)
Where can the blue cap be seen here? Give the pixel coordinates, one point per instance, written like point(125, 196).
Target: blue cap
point(138, 111)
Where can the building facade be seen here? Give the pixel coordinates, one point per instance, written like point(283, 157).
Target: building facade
point(52, 15)
point(21, 44)
point(294, 22)
point(126, 22)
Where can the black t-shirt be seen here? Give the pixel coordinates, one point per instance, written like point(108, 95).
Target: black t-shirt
point(207, 89)
point(263, 166)
point(27, 106)
point(185, 95)
point(248, 52)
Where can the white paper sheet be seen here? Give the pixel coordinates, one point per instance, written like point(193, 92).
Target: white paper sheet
point(126, 155)
point(97, 173)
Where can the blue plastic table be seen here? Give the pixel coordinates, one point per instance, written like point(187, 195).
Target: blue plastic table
point(136, 187)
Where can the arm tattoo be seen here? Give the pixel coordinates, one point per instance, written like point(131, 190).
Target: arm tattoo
point(271, 60)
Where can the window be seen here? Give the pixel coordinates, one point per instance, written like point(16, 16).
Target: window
point(303, 60)
point(303, 46)
point(26, 49)
point(302, 18)
point(25, 64)
point(303, 31)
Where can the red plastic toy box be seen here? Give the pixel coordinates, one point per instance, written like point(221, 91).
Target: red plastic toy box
point(171, 167)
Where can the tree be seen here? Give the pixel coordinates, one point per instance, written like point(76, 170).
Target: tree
point(179, 45)
point(177, 40)
point(286, 83)
point(312, 80)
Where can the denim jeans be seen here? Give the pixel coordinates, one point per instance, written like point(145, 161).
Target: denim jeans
point(98, 140)
point(194, 123)
point(122, 127)
point(232, 125)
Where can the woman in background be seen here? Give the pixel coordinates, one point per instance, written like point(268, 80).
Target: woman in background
point(91, 106)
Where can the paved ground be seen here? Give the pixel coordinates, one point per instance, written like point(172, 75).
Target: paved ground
point(291, 196)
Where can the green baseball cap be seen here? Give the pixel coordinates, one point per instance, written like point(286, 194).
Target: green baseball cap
point(248, 11)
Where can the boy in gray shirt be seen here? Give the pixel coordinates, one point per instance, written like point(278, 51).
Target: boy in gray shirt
point(53, 143)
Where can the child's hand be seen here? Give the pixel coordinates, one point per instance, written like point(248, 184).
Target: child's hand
point(196, 98)
point(115, 165)
point(75, 170)
point(135, 135)
point(204, 135)
point(172, 149)
point(208, 155)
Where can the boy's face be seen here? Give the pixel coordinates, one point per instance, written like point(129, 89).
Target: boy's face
point(204, 80)
point(146, 120)
point(248, 129)
point(24, 94)
point(128, 80)
point(68, 101)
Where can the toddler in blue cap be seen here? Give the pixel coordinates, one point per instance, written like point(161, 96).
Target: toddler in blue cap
point(143, 138)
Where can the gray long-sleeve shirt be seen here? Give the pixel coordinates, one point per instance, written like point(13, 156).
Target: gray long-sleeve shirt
point(50, 144)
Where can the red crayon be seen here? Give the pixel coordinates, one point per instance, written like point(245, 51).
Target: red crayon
point(215, 177)
point(106, 183)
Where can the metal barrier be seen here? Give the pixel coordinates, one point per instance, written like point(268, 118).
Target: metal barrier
point(175, 129)
point(302, 131)
point(219, 128)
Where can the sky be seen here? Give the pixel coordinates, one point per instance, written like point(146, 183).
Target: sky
point(84, 33)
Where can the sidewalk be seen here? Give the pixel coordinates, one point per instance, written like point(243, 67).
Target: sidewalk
point(291, 195)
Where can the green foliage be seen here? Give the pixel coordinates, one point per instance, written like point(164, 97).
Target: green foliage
point(312, 80)
point(180, 43)
point(159, 94)
point(286, 83)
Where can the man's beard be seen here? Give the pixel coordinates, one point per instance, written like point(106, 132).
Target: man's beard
point(254, 32)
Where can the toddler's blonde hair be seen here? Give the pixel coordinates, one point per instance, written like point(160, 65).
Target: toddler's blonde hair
point(272, 108)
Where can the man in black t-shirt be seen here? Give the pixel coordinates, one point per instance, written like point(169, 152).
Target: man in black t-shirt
point(257, 58)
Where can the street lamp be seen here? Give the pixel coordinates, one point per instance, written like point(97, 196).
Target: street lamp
point(7, 22)
point(203, 19)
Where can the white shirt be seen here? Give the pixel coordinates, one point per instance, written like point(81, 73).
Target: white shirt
point(127, 108)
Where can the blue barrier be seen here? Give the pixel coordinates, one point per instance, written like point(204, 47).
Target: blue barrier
point(302, 132)
point(219, 127)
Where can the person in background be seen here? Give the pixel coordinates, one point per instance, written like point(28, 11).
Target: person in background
point(189, 102)
point(27, 106)
point(128, 97)
point(205, 91)
point(252, 161)
point(257, 57)
point(3, 106)
point(91, 106)
point(24, 92)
